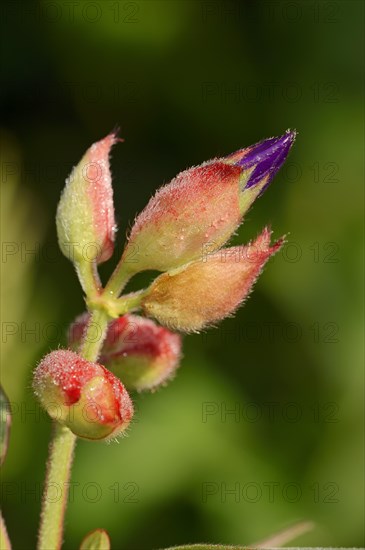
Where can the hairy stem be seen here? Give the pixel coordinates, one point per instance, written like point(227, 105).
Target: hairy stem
point(126, 303)
point(95, 335)
point(61, 452)
point(120, 277)
point(89, 277)
point(55, 494)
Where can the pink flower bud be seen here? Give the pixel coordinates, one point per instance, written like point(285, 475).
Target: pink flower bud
point(142, 354)
point(203, 292)
point(85, 216)
point(203, 206)
point(84, 396)
point(200, 206)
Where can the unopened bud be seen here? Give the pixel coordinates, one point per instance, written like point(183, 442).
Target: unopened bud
point(84, 396)
point(203, 205)
point(260, 163)
point(142, 354)
point(85, 216)
point(203, 292)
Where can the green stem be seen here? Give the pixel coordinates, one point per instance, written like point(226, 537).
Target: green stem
point(119, 306)
point(95, 334)
point(131, 301)
point(88, 275)
point(61, 452)
point(58, 475)
point(119, 278)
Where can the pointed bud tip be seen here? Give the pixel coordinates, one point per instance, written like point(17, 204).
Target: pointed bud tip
point(100, 150)
point(263, 241)
point(278, 244)
point(264, 159)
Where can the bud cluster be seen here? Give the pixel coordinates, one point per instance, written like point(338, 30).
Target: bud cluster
point(202, 205)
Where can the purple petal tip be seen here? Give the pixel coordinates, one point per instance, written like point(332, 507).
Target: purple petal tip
point(267, 157)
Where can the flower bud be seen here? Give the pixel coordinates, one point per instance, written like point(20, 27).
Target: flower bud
point(142, 354)
point(260, 163)
point(203, 206)
point(85, 215)
point(200, 206)
point(202, 292)
point(84, 396)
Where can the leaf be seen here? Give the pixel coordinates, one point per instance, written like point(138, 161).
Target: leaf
point(5, 421)
point(96, 540)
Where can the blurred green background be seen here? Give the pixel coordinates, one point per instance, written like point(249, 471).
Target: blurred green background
point(187, 81)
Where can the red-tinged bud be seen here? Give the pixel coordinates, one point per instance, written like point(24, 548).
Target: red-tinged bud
point(84, 396)
point(142, 354)
point(85, 216)
point(200, 207)
point(203, 206)
point(203, 292)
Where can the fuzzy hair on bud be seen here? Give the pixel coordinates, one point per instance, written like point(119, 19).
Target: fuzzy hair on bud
point(141, 353)
point(84, 396)
point(202, 207)
point(85, 215)
point(203, 292)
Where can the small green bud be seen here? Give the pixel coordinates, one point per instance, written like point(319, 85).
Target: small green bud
point(85, 216)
